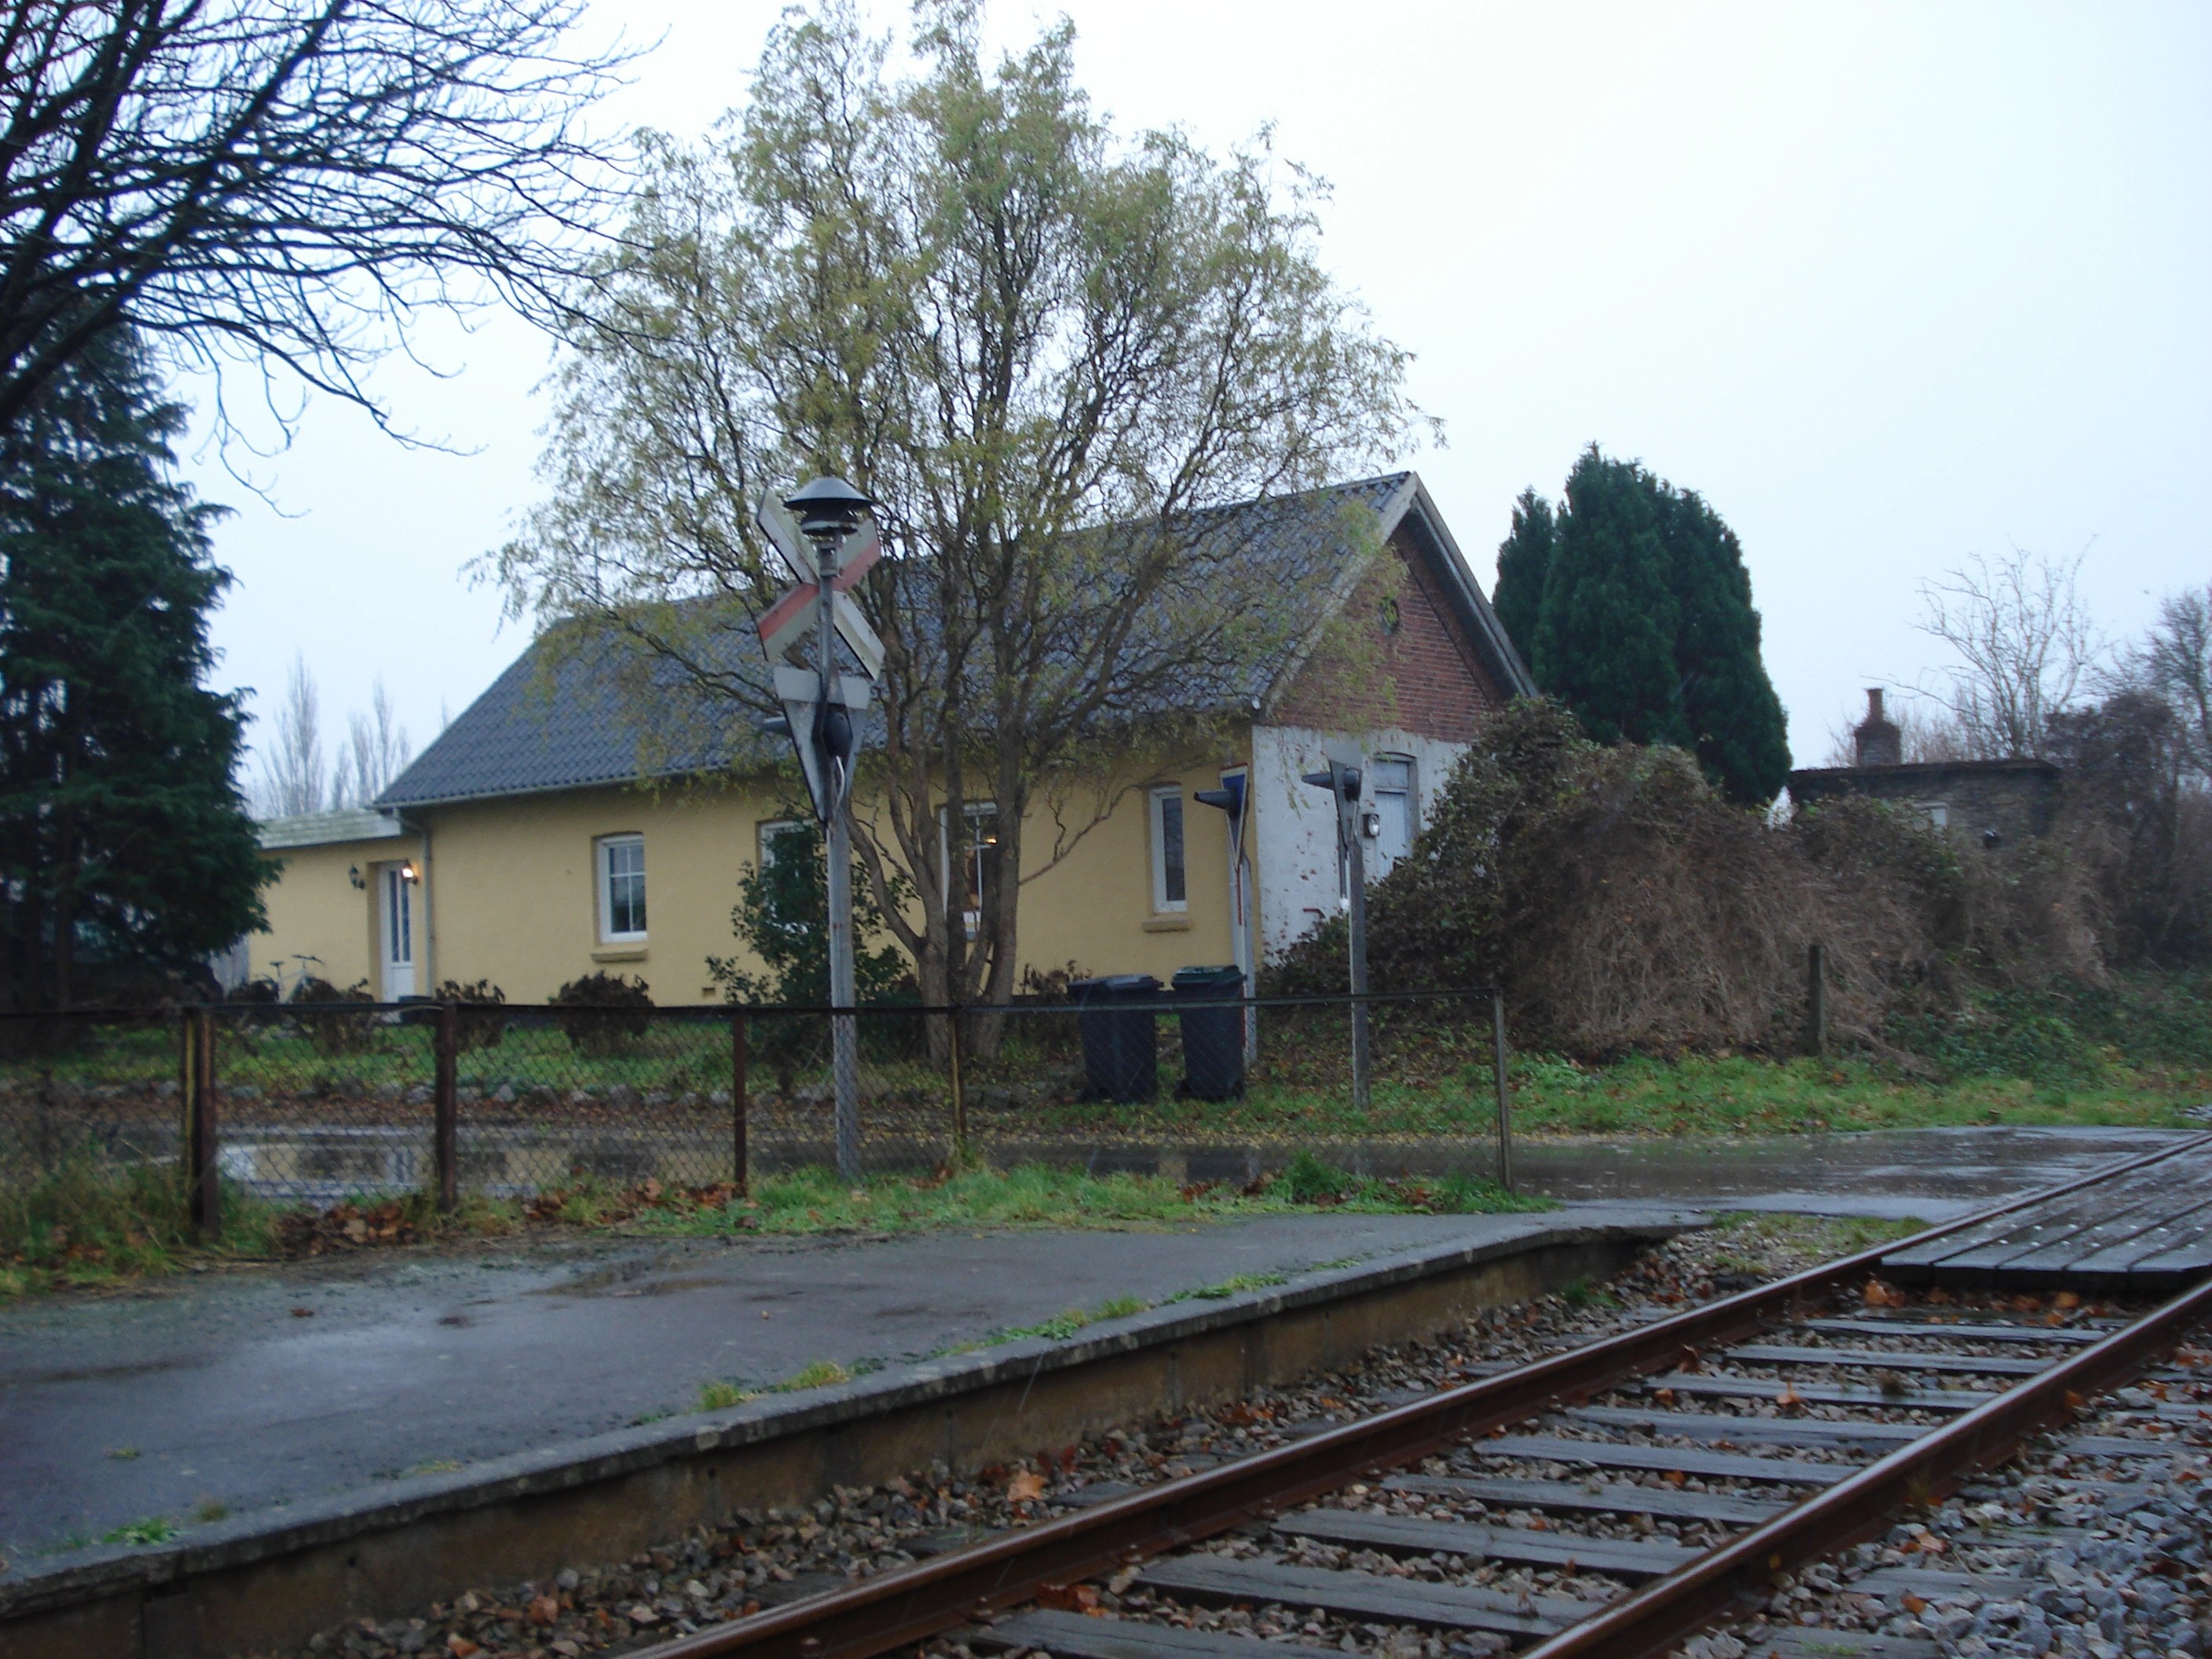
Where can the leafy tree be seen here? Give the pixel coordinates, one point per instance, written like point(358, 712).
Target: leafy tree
point(1606, 630)
point(1632, 605)
point(1524, 560)
point(283, 181)
point(783, 913)
point(121, 828)
point(1049, 353)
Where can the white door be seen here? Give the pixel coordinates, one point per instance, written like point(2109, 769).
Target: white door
point(396, 893)
point(1392, 793)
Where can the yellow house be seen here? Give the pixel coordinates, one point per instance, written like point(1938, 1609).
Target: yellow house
point(531, 843)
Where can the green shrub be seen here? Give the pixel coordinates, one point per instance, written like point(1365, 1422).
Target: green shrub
point(602, 1015)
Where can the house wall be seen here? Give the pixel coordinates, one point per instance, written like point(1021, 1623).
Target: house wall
point(509, 890)
point(1294, 855)
point(1422, 678)
point(315, 911)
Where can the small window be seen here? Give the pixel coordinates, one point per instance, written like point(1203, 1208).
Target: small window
point(975, 855)
point(1939, 813)
point(781, 840)
point(1169, 888)
point(622, 888)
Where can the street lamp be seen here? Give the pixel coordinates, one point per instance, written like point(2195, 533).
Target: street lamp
point(829, 510)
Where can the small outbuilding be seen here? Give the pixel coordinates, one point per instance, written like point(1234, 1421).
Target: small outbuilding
point(1994, 802)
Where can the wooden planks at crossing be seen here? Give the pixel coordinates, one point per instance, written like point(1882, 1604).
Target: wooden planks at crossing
point(2147, 1229)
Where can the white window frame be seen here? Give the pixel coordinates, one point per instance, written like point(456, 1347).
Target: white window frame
point(603, 858)
point(973, 812)
point(1938, 813)
point(1155, 823)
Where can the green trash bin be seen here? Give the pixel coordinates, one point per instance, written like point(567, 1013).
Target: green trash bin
point(1212, 1038)
point(1120, 1038)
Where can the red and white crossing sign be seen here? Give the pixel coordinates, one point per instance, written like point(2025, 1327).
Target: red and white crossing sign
point(791, 618)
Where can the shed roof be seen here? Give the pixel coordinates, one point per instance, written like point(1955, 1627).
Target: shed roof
point(322, 829)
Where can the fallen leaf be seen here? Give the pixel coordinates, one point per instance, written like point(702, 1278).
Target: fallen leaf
point(1674, 1477)
point(1068, 1598)
point(303, 1312)
point(2026, 1303)
point(1913, 1604)
point(2074, 1401)
point(461, 1647)
point(1026, 1484)
point(1664, 1396)
point(544, 1610)
point(2066, 1299)
point(1880, 1295)
point(1789, 1396)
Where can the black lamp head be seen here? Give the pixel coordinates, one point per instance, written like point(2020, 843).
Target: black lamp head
point(827, 508)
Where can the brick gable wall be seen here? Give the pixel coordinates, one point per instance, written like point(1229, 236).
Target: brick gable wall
point(1428, 680)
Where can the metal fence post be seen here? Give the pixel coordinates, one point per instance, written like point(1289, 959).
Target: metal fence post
point(1816, 999)
point(738, 1155)
point(203, 1192)
point(444, 1152)
point(1505, 1096)
point(959, 1092)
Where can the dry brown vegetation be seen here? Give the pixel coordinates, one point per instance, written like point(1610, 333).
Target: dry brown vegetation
point(1624, 905)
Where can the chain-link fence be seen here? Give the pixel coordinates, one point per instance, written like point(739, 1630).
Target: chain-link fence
point(316, 1103)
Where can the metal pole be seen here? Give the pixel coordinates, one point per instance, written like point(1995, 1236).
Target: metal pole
point(446, 1096)
point(959, 1090)
point(737, 1155)
point(206, 1189)
point(836, 847)
point(1355, 861)
point(1504, 1097)
point(1816, 997)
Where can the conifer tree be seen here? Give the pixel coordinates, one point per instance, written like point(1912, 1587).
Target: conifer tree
point(1733, 718)
point(1605, 632)
point(122, 837)
point(1524, 559)
point(1636, 610)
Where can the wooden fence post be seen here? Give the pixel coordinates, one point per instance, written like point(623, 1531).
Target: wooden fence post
point(1505, 1095)
point(738, 1151)
point(1816, 999)
point(203, 1157)
point(445, 1134)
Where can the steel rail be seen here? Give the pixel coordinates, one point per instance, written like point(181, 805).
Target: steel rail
point(908, 1603)
point(1743, 1570)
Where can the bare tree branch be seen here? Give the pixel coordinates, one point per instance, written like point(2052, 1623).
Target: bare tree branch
point(2025, 646)
point(286, 183)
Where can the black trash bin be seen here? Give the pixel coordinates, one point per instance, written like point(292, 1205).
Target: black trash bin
point(1120, 1041)
point(1212, 1038)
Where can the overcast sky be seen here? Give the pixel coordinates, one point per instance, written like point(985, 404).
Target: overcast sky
point(1889, 285)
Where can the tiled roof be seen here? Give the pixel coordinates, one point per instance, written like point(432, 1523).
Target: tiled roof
point(568, 715)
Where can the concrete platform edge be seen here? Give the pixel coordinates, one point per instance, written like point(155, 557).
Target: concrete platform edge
point(122, 1573)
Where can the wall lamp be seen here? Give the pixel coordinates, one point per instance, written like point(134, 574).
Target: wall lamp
point(407, 870)
point(353, 875)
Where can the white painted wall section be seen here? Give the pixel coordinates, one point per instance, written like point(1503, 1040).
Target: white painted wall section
point(1294, 827)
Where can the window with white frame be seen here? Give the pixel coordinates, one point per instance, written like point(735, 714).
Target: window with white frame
point(1170, 888)
point(782, 838)
point(622, 888)
point(973, 853)
point(1390, 791)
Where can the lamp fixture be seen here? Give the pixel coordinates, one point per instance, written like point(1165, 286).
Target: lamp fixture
point(407, 870)
point(353, 875)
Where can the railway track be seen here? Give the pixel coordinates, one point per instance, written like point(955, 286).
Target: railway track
point(1612, 1499)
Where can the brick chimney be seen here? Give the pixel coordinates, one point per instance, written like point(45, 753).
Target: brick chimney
point(1875, 741)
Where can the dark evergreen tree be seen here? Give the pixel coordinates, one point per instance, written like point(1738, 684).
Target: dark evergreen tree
point(1524, 560)
point(1636, 610)
point(123, 842)
point(1605, 632)
point(1732, 717)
